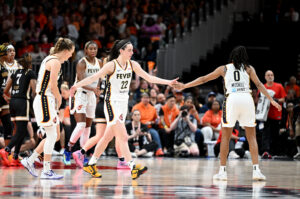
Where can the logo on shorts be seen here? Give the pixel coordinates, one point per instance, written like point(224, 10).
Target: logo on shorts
point(79, 107)
point(121, 117)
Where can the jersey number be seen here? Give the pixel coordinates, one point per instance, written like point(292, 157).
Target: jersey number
point(124, 84)
point(18, 78)
point(236, 75)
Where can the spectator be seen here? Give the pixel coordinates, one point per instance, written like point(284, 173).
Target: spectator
point(139, 139)
point(17, 33)
point(234, 151)
point(185, 126)
point(212, 122)
point(293, 86)
point(72, 31)
point(153, 97)
point(58, 20)
point(149, 118)
point(40, 17)
point(161, 99)
point(179, 98)
point(210, 98)
point(168, 114)
point(45, 46)
point(192, 109)
point(37, 55)
point(270, 135)
point(292, 15)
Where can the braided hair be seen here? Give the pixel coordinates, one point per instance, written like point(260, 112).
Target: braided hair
point(239, 57)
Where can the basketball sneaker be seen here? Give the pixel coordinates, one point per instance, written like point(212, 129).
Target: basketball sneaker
point(257, 175)
point(122, 165)
point(4, 155)
point(137, 171)
point(67, 158)
point(50, 175)
point(222, 175)
point(266, 155)
point(93, 170)
point(30, 167)
point(297, 156)
point(79, 158)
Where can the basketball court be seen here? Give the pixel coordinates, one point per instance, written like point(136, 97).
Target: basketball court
point(166, 178)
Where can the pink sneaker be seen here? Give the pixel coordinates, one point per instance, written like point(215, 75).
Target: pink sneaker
point(122, 165)
point(79, 158)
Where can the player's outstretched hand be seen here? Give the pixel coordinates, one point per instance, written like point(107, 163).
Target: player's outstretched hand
point(179, 86)
point(72, 91)
point(274, 103)
point(173, 82)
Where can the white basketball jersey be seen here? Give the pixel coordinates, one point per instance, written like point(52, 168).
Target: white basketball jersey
point(118, 82)
point(236, 81)
point(90, 70)
point(11, 67)
point(43, 87)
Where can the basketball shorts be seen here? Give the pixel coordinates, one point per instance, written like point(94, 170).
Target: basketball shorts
point(238, 107)
point(45, 111)
point(100, 116)
point(19, 109)
point(115, 111)
point(3, 103)
point(84, 102)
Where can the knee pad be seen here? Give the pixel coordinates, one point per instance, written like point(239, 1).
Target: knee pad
point(51, 136)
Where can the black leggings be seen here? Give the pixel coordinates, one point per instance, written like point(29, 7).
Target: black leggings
point(18, 138)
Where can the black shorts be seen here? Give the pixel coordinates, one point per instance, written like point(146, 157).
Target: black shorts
point(3, 103)
point(99, 116)
point(19, 109)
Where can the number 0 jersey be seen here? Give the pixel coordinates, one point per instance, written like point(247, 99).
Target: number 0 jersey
point(118, 82)
point(236, 81)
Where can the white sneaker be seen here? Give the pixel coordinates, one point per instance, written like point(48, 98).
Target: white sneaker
point(220, 176)
point(297, 156)
point(233, 155)
point(30, 167)
point(257, 175)
point(247, 155)
point(61, 152)
point(51, 175)
point(133, 155)
point(148, 155)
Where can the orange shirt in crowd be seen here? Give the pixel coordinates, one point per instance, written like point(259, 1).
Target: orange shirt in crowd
point(296, 88)
point(169, 114)
point(148, 113)
point(210, 117)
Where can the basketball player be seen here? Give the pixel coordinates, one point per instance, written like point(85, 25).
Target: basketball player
point(100, 128)
point(4, 107)
point(11, 64)
point(119, 73)
point(84, 104)
point(21, 82)
point(238, 105)
point(46, 104)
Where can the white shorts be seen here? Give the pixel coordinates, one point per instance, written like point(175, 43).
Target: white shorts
point(83, 102)
point(238, 107)
point(45, 110)
point(115, 111)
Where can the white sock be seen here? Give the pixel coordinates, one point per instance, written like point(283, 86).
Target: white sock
point(46, 166)
point(131, 164)
point(93, 160)
point(222, 169)
point(33, 156)
point(298, 149)
point(255, 167)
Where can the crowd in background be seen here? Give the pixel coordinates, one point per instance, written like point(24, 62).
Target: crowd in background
point(173, 123)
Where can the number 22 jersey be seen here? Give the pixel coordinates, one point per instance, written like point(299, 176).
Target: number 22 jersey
point(118, 82)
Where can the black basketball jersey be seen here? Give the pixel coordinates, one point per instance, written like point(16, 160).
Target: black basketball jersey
point(3, 77)
point(21, 80)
